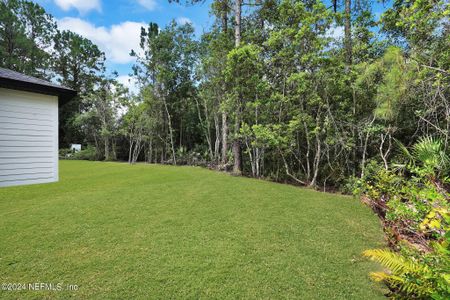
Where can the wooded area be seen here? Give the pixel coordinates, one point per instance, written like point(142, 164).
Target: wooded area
point(319, 94)
point(282, 96)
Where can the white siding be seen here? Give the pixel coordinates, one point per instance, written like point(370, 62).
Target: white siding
point(28, 138)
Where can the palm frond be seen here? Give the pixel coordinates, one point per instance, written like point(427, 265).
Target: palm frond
point(394, 262)
point(404, 150)
point(430, 152)
point(405, 275)
point(408, 162)
point(379, 276)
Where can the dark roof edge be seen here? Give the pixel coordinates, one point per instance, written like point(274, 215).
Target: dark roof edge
point(64, 94)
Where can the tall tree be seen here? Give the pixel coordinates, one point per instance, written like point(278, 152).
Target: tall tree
point(222, 9)
point(166, 66)
point(26, 33)
point(248, 90)
point(77, 61)
point(78, 64)
point(99, 121)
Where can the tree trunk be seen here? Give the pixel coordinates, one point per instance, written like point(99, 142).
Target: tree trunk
point(107, 149)
point(114, 149)
point(384, 154)
point(205, 126)
point(224, 137)
point(258, 153)
point(136, 151)
point(217, 141)
point(308, 147)
point(237, 125)
point(130, 150)
point(354, 162)
point(169, 121)
point(347, 32)
point(225, 15)
point(237, 26)
point(252, 160)
point(150, 151)
point(224, 114)
point(364, 153)
point(237, 147)
point(316, 161)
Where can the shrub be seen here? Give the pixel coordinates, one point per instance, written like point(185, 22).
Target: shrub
point(351, 185)
point(196, 157)
point(414, 206)
point(90, 153)
point(64, 153)
point(414, 276)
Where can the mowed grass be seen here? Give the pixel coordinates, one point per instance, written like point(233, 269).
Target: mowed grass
point(149, 231)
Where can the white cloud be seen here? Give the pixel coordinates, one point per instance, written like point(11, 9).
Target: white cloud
point(83, 6)
point(129, 82)
point(116, 41)
point(148, 4)
point(184, 20)
point(335, 32)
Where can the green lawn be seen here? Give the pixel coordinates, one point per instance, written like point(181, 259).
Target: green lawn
point(150, 231)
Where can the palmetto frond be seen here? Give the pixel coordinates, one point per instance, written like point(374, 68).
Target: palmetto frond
point(408, 162)
point(404, 274)
point(430, 152)
point(394, 262)
point(397, 282)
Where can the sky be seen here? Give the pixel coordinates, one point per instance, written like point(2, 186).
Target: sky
point(114, 25)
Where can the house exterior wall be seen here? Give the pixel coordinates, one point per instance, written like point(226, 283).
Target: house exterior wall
point(28, 138)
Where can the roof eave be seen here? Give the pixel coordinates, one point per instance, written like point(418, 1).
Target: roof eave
point(64, 94)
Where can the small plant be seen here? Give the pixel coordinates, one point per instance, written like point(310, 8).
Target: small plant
point(409, 277)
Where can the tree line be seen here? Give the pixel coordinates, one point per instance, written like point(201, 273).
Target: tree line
point(271, 90)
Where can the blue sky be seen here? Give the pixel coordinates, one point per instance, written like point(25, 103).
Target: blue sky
point(114, 25)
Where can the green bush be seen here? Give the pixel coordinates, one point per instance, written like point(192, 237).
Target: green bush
point(413, 203)
point(90, 153)
point(64, 153)
point(196, 157)
point(350, 185)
